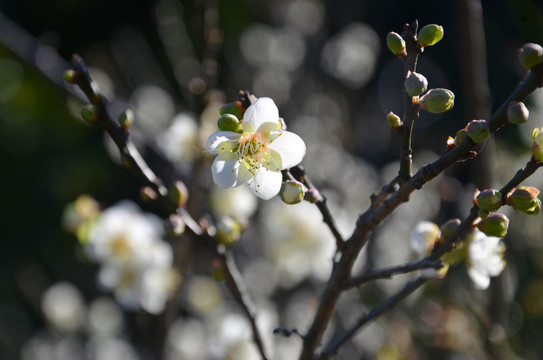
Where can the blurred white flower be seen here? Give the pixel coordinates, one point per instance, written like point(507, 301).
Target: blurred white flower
point(297, 241)
point(485, 258)
point(104, 317)
point(257, 155)
point(110, 348)
point(135, 263)
point(180, 140)
point(187, 339)
point(423, 237)
point(64, 307)
point(237, 203)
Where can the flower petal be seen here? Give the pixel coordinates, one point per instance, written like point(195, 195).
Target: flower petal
point(261, 117)
point(227, 171)
point(222, 140)
point(290, 148)
point(266, 183)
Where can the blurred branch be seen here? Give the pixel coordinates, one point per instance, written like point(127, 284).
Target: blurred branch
point(135, 163)
point(373, 217)
point(387, 273)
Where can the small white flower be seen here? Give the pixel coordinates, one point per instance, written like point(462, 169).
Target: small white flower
point(258, 154)
point(485, 258)
point(423, 237)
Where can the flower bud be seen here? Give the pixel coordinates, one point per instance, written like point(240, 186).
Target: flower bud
point(415, 84)
point(394, 121)
point(228, 231)
point(313, 196)
point(461, 136)
point(495, 224)
point(292, 192)
point(430, 34)
point(126, 119)
point(489, 200)
point(478, 131)
point(537, 146)
point(234, 108)
point(179, 194)
point(175, 225)
point(229, 122)
point(71, 77)
point(524, 198)
point(517, 113)
point(449, 228)
point(437, 101)
point(90, 114)
point(530, 55)
point(396, 44)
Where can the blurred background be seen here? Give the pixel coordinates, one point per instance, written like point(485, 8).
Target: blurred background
point(326, 65)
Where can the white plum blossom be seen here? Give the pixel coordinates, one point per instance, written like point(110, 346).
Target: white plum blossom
point(485, 258)
point(257, 155)
point(423, 237)
point(135, 263)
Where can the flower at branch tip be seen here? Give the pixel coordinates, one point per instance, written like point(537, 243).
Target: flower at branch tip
point(437, 101)
point(517, 113)
point(415, 84)
point(396, 44)
point(126, 119)
point(228, 231)
point(489, 200)
point(430, 35)
point(394, 121)
point(485, 258)
point(525, 199)
point(258, 154)
point(530, 55)
point(495, 224)
point(292, 192)
point(537, 146)
point(478, 131)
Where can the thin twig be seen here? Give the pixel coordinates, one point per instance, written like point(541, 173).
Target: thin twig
point(387, 273)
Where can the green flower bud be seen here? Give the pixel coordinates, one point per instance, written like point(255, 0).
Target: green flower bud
point(489, 200)
point(517, 113)
point(478, 131)
point(530, 55)
point(313, 196)
point(228, 231)
point(524, 198)
point(537, 146)
point(292, 192)
point(71, 77)
point(494, 225)
point(430, 34)
point(394, 121)
point(437, 101)
point(179, 194)
point(396, 44)
point(449, 228)
point(415, 84)
point(126, 119)
point(90, 113)
point(234, 108)
point(229, 122)
point(461, 136)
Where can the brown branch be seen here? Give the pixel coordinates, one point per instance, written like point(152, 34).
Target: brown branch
point(132, 159)
point(372, 218)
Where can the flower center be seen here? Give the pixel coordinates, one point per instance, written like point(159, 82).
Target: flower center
point(253, 149)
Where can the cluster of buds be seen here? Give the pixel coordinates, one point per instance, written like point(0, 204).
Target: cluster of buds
point(429, 35)
point(231, 113)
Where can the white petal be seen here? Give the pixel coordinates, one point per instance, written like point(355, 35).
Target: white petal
point(261, 117)
point(222, 140)
point(480, 280)
point(290, 147)
point(227, 171)
point(266, 184)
